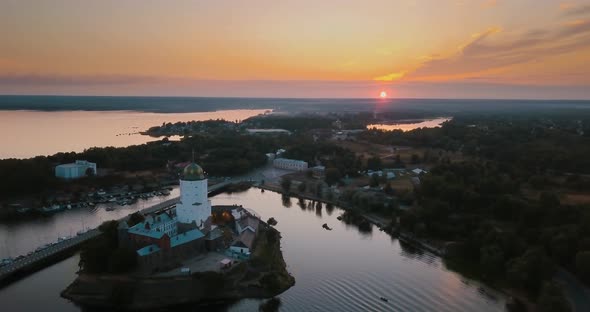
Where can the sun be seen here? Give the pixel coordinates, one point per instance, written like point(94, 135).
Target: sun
point(383, 94)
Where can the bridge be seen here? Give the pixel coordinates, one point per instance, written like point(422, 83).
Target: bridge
point(63, 249)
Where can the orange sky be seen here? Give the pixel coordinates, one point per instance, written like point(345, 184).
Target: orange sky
point(179, 47)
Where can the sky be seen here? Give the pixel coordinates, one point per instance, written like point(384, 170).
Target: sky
point(537, 49)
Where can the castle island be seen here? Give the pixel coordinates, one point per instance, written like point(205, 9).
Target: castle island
point(188, 253)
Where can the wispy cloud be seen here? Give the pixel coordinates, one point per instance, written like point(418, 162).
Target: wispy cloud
point(494, 50)
point(50, 79)
point(575, 10)
point(490, 3)
point(392, 76)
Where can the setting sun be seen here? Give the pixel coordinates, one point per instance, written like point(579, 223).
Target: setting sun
point(383, 94)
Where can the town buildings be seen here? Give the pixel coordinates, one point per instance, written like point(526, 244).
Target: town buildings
point(290, 164)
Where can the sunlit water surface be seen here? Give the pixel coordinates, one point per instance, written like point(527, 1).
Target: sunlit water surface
point(25, 134)
point(338, 270)
point(410, 125)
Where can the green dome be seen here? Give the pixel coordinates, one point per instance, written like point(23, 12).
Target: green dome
point(193, 172)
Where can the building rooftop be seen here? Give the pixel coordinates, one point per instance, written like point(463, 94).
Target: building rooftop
point(247, 238)
point(78, 163)
point(239, 243)
point(139, 229)
point(214, 234)
point(185, 237)
point(193, 172)
point(248, 221)
point(148, 250)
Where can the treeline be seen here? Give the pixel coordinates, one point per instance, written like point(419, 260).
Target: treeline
point(190, 127)
point(532, 144)
point(479, 207)
point(103, 253)
point(224, 154)
point(290, 122)
point(329, 155)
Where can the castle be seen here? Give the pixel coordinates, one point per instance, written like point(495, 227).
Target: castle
point(163, 239)
point(183, 231)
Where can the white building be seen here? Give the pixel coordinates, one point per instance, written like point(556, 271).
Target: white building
point(194, 205)
point(418, 171)
point(74, 170)
point(290, 164)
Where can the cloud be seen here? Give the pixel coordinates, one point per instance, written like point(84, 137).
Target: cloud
point(56, 80)
point(490, 3)
point(391, 77)
point(495, 50)
point(572, 10)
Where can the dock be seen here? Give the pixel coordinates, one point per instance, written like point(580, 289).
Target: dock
point(63, 249)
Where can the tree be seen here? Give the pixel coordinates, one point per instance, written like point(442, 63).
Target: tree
point(332, 176)
point(135, 218)
point(492, 260)
point(374, 163)
point(286, 184)
point(583, 265)
point(415, 158)
point(319, 188)
point(530, 270)
point(398, 160)
point(374, 180)
point(552, 299)
point(122, 260)
point(388, 189)
point(89, 172)
point(302, 186)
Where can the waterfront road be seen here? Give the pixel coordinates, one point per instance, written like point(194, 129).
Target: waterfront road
point(38, 256)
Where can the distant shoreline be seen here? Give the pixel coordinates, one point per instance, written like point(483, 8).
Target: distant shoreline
point(162, 104)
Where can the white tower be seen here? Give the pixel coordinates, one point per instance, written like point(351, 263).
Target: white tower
point(194, 204)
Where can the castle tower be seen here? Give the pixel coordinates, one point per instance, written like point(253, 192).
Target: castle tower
point(194, 205)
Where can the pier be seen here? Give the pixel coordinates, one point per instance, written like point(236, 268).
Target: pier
point(45, 257)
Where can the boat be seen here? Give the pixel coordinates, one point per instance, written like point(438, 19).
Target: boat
point(110, 208)
point(384, 299)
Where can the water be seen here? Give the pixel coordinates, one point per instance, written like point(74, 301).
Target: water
point(410, 125)
point(338, 270)
point(25, 134)
point(21, 237)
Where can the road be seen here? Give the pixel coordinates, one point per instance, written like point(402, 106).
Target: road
point(46, 253)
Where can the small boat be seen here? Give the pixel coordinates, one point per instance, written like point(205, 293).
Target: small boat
point(110, 208)
point(384, 299)
point(325, 226)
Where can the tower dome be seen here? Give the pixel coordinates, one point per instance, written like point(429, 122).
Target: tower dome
point(193, 172)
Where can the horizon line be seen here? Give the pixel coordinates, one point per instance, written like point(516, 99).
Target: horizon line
point(293, 98)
